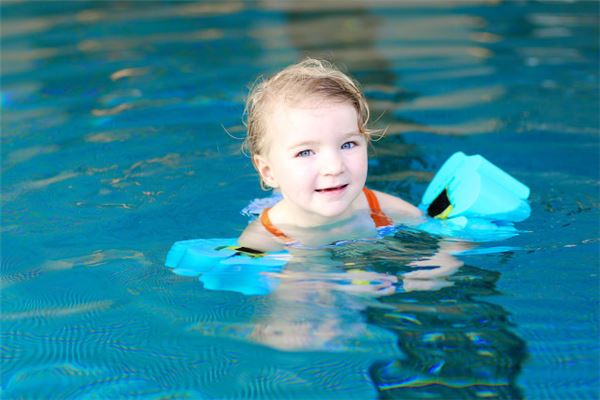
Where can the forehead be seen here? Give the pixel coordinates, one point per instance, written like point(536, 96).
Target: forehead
point(310, 119)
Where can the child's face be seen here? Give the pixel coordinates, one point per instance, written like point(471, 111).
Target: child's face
point(317, 157)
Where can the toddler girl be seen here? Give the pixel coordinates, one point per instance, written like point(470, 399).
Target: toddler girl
point(308, 138)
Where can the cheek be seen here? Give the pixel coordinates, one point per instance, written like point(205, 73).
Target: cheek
point(300, 172)
point(359, 163)
point(291, 171)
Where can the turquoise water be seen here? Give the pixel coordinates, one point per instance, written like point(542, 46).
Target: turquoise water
point(113, 148)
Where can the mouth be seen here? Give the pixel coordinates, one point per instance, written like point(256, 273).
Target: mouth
point(332, 189)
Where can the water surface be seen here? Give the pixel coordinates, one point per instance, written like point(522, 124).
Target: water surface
point(114, 147)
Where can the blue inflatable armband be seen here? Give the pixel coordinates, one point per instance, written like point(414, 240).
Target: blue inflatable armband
point(470, 229)
point(473, 187)
point(223, 265)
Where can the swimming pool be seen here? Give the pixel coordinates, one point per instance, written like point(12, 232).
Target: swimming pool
point(114, 147)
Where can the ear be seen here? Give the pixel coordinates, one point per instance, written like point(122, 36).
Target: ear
point(263, 167)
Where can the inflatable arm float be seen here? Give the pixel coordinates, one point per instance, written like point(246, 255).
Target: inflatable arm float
point(472, 199)
point(223, 265)
point(471, 186)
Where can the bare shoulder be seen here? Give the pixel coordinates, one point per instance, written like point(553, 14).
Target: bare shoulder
point(397, 207)
point(256, 237)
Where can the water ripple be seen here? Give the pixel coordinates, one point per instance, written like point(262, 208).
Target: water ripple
point(58, 311)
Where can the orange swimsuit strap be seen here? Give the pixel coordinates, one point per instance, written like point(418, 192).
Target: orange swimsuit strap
point(378, 216)
point(266, 222)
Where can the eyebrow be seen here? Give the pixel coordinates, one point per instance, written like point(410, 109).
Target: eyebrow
point(311, 142)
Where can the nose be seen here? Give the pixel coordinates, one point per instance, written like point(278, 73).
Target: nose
point(332, 163)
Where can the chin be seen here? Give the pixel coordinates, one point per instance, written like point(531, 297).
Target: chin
point(334, 212)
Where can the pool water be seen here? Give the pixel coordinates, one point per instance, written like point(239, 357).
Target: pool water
point(115, 144)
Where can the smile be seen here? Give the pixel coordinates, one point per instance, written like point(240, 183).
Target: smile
point(332, 189)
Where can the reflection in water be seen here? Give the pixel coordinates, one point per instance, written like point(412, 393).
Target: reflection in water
point(453, 344)
point(448, 343)
point(348, 38)
point(318, 311)
point(390, 48)
point(337, 36)
point(456, 346)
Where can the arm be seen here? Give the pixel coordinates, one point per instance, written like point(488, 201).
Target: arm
point(398, 209)
point(445, 263)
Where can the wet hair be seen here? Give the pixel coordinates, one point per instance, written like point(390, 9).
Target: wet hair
point(299, 83)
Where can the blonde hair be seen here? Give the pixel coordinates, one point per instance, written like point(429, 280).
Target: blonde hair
point(307, 79)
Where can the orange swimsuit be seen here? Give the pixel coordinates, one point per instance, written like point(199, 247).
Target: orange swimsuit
point(379, 218)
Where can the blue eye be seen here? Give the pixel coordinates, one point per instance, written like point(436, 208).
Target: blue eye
point(349, 145)
point(304, 153)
